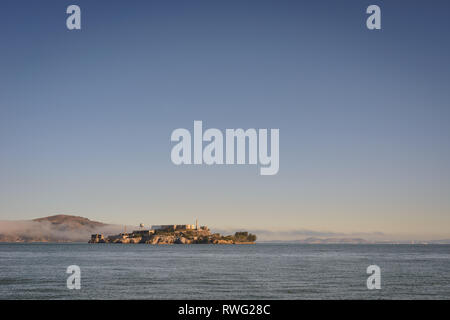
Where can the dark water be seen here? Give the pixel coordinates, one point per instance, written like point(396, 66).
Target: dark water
point(261, 271)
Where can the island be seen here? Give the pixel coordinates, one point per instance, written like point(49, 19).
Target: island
point(175, 234)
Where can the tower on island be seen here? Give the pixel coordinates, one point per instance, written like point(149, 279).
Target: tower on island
point(196, 224)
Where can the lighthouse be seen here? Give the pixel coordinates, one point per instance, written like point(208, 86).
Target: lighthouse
point(196, 224)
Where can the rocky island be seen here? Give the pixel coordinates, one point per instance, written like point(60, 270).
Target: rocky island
point(175, 234)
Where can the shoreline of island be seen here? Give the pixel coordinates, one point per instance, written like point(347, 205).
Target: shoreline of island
point(175, 234)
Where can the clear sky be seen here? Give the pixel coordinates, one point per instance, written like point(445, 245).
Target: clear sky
point(86, 116)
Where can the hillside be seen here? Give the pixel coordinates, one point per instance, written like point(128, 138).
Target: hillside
point(71, 222)
point(57, 228)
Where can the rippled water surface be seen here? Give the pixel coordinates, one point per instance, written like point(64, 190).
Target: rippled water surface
point(261, 271)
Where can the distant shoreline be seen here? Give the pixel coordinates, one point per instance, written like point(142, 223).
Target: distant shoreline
point(76, 229)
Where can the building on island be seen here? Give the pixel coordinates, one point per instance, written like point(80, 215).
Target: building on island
point(173, 227)
point(181, 233)
point(97, 238)
point(143, 233)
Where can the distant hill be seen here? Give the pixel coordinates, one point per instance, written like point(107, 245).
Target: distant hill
point(71, 222)
point(57, 228)
point(443, 241)
point(313, 240)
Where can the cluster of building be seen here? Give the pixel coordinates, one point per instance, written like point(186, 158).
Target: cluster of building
point(178, 227)
point(139, 235)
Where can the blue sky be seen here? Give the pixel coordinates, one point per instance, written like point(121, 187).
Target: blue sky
point(86, 116)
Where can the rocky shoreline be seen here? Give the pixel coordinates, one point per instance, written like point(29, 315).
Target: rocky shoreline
point(157, 237)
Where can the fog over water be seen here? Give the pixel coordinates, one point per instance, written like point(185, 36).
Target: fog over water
point(46, 231)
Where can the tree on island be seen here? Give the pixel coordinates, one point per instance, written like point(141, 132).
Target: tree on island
point(244, 237)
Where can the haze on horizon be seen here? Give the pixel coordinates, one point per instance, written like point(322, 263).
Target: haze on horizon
point(86, 117)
